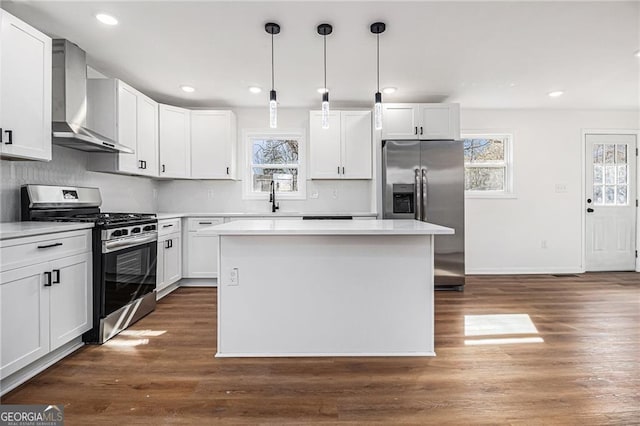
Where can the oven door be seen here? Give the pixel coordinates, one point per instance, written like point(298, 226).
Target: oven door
point(129, 271)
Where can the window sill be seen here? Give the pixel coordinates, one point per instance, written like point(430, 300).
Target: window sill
point(491, 196)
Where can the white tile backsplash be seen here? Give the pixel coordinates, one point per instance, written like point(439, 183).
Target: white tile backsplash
point(69, 167)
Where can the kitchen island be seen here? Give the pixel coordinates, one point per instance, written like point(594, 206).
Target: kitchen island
point(325, 288)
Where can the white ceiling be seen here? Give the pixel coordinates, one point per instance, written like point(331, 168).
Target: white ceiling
point(480, 54)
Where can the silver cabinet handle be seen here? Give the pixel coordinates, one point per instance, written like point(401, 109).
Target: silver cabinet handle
point(205, 223)
point(167, 226)
point(111, 246)
point(418, 196)
point(425, 182)
point(50, 245)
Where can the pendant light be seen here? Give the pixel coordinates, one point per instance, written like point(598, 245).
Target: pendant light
point(324, 30)
point(272, 29)
point(378, 28)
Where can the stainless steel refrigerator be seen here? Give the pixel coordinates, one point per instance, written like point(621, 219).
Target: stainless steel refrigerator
point(424, 180)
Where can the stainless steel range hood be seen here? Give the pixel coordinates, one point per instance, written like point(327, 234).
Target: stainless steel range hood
point(69, 109)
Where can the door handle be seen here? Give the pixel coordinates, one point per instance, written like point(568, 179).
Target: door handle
point(338, 169)
point(167, 244)
point(424, 195)
point(416, 131)
point(590, 210)
point(140, 164)
point(421, 132)
point(10, 134)
point(144, 164)
point(163, 169)
point(343, 170)
point(56, 279)
point(47, 281)
point(418, 195)
point(227, 170)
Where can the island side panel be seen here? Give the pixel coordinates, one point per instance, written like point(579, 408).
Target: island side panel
point(315, 295)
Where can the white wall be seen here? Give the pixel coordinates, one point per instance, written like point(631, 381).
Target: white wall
point(69, 167)
point(505, 235)
point(226, 196)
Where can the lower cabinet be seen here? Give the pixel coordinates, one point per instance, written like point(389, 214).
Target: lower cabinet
point(201, 254)
point(169, 260)
point(42, 307)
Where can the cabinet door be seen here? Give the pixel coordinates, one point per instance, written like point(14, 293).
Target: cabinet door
point(400, 121)
point(439, 121)
point(71, 298)
point(175, 124)
point(356, 144)
point(147, 131)
point(173, 260)
point(25, 90)
point(213, 144)
point(202, 255)
point(324, 146)
point(24, 317)
point(128, 127)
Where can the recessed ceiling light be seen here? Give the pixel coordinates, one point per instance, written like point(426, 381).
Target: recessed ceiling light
point(188, 89)
point(321, 90)
point(389, 90)
point(106, 19)
point(255, 89)
point(556, 93)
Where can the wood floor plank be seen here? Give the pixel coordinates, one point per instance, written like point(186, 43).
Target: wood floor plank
point(586, 369)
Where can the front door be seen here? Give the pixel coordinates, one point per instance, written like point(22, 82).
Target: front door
point(610, 202)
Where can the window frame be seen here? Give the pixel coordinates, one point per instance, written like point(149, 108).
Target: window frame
point(507, 164)
point(247, 175)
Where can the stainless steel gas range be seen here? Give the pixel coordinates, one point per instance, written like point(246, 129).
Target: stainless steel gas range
point(124, 253)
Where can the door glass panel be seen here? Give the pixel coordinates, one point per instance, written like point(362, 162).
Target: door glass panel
point(609, 195)
point(610, 175)
point(598, 153)
point(622, 195)
point(621, 153)
point(597, 195)
point(609, 153)
point(598, 175)
point(622, 175)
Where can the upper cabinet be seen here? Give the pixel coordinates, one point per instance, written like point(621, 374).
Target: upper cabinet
point(25, 91)
point(421, 121)
point(122, 113)
point(213, 144)
point(174, 140)
point(343, 151)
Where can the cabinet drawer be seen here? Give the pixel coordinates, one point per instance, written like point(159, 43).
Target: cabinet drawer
point(168, 226)
point(20, 252)
point(197, 223)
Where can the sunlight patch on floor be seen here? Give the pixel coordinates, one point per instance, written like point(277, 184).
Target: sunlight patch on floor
point(518, 327)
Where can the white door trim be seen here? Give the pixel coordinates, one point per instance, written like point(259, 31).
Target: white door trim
point(583, 216)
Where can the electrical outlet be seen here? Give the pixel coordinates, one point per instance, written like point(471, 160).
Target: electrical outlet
point(334, 193)
point(543, 244)
point(561, 188)
point(314, 195)
point(210, 193)
point(233, 277)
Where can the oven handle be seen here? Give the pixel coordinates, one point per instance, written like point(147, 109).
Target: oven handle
point(111, 246)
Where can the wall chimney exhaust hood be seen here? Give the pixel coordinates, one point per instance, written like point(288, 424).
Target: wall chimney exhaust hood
point(69, 109)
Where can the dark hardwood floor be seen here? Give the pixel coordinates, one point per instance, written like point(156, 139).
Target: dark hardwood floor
point(586, 369)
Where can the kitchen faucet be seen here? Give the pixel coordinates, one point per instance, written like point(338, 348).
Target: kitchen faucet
point(272, 198)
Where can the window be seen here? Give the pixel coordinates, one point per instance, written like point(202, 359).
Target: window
point(276, 157)
point(610, 175)
point(487, 164)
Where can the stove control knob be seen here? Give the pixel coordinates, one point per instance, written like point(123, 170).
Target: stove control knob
point(135, 231)
point(116, 233)
point(149, 228)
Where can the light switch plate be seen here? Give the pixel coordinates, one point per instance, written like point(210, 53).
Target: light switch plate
point(233, 277)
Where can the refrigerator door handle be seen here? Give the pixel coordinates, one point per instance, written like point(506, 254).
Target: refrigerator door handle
point(418, 195)
point(424, 195)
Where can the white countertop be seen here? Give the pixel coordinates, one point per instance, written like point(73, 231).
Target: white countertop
point(327, 227)
point(161, 216)
point(28, 229)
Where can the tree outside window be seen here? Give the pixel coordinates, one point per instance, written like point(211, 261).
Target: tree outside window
point(487, 165)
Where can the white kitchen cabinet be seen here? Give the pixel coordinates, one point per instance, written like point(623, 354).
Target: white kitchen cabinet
point(118, 111)
point(343, 151)
point(169, 269)
point(420, 121)
point(201, 254)
point(213, 144)
point(174, 142)
point(25, 91)
point(45, 298)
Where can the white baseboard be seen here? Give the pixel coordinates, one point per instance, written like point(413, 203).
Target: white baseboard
point(524, 271)
point(19, 377)
point(168, 289)
point(319, 354)
point(198, 282)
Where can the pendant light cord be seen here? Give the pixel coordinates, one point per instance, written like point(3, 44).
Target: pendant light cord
point(378, 58)
point(272, 84)
point(325, 63)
